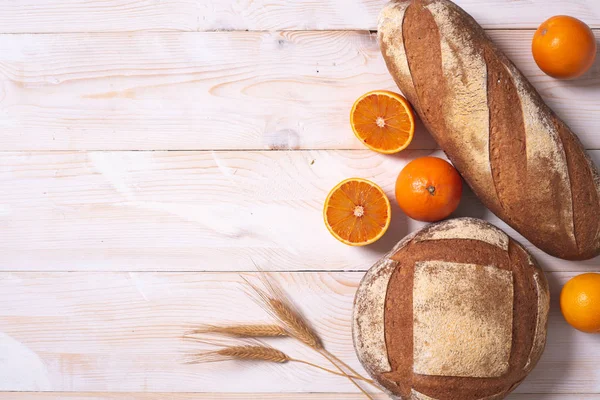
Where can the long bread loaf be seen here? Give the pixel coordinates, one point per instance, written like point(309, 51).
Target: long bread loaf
point(519, 158)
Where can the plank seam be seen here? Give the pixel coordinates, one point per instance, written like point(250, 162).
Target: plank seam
point(594, 27)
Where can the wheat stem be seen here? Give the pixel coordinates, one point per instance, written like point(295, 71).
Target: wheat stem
point(326, 354)
point(332, 371)
point(334, 358)
point(275, 302)
point(259, 353)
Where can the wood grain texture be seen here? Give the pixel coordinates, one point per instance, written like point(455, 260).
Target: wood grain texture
point(197, 211)
point(220, 90)
point(121, 332)
point(207, 15)
point(244, 396)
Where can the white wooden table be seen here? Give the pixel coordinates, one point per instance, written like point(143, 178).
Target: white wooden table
point(152, 150)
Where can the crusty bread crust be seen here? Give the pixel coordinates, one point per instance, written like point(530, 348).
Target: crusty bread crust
point(519, 158)
point(479, 273)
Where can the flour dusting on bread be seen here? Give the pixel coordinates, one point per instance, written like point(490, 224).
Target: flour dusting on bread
point(392, 16)
point(391, 40)
point(465, 70)
point(545, 155)
point(462, 319)
point(543, 306)
point(368, 329)
point(466, 228)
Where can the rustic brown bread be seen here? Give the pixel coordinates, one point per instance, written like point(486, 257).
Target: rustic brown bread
point(520, 159)
point(456, 311)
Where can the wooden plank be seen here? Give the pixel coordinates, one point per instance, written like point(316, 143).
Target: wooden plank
point(121, 332)
point(244, 396)
point(196, 211)
point(228, 90)
point(207, 15)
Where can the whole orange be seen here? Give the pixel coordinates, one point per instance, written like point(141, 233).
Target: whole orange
point(428, 189)
point(564, 47)
point(580, 302)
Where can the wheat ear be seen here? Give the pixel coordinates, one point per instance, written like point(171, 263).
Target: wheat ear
point(275, 302)
point(247, 352)
point(242, 330)
point(253, 331)
point(295, 324)
point(256, 353)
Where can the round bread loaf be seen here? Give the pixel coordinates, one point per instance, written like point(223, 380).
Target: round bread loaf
point(456, 311)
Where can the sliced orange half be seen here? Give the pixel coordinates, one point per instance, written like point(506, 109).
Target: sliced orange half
point(357, 212)
point(384, 121)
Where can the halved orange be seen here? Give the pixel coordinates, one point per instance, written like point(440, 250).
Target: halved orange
point(357, 212)
point(384, 121)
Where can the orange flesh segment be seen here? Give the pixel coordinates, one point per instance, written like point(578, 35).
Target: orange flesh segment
point(357, 212)
point(383, 122)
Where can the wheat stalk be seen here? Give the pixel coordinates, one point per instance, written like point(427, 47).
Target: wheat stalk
point(258, 353)
point(242, 330)
point(275, 302)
